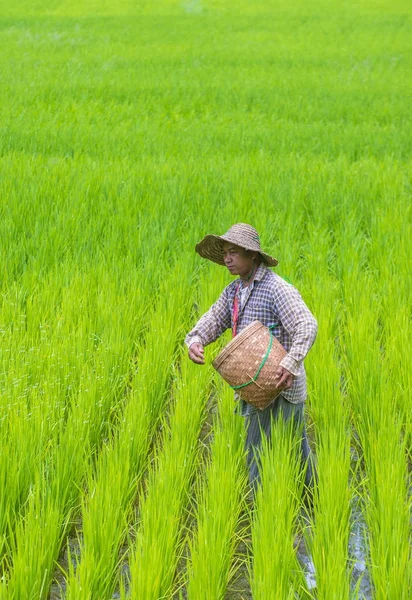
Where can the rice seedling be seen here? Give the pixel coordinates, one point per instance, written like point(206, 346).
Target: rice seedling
point(387, 507)
point(107, 508)
point(55, 490)
point(330, 529)
point(127, 133)
point(219, 507)
point(379, 424)
point(274, 570)
point(155, 554)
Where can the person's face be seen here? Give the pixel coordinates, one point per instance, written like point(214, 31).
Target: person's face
point(237, 260)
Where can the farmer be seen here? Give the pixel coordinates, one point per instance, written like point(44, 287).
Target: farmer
point(259, 294)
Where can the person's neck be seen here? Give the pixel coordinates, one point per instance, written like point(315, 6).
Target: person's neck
point(248, 278)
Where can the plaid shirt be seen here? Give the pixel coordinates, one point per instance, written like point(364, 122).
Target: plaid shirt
point(272, 301)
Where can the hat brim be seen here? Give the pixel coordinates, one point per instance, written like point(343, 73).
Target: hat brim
point(211, 248)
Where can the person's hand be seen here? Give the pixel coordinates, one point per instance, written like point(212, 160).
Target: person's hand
point(197, 354)
point(284, 377)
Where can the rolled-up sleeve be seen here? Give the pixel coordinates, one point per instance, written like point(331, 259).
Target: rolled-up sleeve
point(212, 324)
point(299, 322)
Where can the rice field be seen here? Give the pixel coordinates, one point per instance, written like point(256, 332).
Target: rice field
point(128, 131)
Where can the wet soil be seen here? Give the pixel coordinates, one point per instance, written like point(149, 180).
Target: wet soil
point(239, 588)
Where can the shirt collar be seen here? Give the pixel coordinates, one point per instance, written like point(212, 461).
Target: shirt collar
point(261, 272)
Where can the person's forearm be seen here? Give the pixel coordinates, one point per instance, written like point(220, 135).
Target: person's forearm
point(212, 324)
point(193, 339)
point(302, 341)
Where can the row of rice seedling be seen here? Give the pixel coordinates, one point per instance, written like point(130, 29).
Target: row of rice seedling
point(49, 506)
point(387, 507)
point(380, 423)
point(343, 250)
point(69, 362)
point(53, 381)
point(112, 485)
point(157, 540)
point(79, 420)
point(389, 250)
point(274, 569)
point(328, 536)
point(24, 445)
point(327, 301)
point(220, 504)
point(155, 554)
point(116, 133)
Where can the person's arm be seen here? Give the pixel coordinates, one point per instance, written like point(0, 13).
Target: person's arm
point(212, 324)
point(299, 322)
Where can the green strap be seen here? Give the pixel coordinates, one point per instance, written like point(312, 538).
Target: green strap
point(262, 364)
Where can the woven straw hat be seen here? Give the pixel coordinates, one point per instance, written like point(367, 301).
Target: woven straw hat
point(242, 235)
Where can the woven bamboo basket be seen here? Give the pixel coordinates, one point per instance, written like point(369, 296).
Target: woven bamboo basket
point(249, 362)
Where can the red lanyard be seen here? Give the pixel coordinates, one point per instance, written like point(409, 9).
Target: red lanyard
point(235, 310)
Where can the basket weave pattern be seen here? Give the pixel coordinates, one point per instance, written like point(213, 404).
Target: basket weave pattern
point(240, 360)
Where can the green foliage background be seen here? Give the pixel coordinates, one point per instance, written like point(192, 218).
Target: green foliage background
point(128, 130)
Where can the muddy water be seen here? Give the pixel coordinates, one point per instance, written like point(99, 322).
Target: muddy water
point(358, 561)
point(358, 554)
point(360, 576)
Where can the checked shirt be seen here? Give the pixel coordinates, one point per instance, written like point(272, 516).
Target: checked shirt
point(274, 302)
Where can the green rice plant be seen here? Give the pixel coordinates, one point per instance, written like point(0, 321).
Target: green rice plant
point(26, 436)
point(107, 508)
point(392, 245)
point(72, 324)
point(35, 383)
point(155, 554)
point(388, 507)
point(127, 132)
point(379, 424)
point(55, 494)
point(38, 538)
point(39, 533)
point(328, 536)
point(274, 569)
point(219, 508)
point(397, 335)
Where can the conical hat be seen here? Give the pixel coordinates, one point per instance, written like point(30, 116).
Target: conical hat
point(242, 235)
